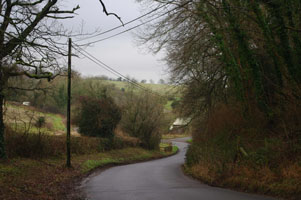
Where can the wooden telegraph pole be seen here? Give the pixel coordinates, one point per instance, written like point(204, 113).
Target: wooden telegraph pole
point(68, 105)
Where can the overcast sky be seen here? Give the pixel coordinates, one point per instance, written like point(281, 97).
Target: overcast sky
point(121, 52)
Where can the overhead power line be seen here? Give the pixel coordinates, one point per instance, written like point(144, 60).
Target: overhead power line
point(127, 30)
point(134, 27)
point(135, 84)
point(111, 70)
point(120, 26)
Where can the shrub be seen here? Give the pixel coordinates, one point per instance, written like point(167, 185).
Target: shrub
point(175, 103)
point(46, 146)
point(40, 122)
point(142, 118)
point(193, 155)
point(38, 146)
point(97, 117)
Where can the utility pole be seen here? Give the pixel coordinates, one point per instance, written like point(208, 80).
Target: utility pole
point(68, 105)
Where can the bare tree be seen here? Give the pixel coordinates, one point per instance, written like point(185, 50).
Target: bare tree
point(242, 51)
point(143, 119)
point(30, 43)
point(192, 58)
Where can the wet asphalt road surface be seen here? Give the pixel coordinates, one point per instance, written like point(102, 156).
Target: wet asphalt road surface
point(158, 179)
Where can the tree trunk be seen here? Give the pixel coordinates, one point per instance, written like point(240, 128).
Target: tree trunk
point(2, 144)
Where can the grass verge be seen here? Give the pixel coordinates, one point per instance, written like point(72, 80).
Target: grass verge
point(172, 136)
point(23, 178)
point(282, 184)
point(189, 141)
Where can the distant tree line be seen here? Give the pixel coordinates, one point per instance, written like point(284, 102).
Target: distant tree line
point(98, 106)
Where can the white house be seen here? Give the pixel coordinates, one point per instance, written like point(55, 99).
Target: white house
point(179, 124)
point(26, 103)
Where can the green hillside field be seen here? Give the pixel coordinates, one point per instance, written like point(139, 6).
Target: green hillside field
point(25, 118)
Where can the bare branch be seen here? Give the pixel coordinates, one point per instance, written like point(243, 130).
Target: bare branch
point(107, 13)
point(45, 75)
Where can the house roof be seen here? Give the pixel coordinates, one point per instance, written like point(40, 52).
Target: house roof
point(181, 121)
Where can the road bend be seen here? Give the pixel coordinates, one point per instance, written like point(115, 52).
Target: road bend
point(157, 179)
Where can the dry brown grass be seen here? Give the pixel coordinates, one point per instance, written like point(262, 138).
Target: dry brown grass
point(262, 180)
point(172, 136)
point(292, 171)
point(23, 178)
point(202, 172)
point(126, 138)
point(46, 146)
point(270, 163)
point(36, 166)
point(39, 146)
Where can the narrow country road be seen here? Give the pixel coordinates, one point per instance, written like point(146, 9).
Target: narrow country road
point(158, 179)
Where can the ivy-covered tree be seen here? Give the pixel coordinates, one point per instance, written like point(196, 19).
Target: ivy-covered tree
point(249, 50)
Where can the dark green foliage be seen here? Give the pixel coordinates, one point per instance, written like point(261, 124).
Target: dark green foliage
point(2, 144)
point(175, 103)
point(60, 97)
point(257, 57)
point(2, 128)
point(40, 122)
point(97, 117)
point(193, 155)
point(239, 62)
